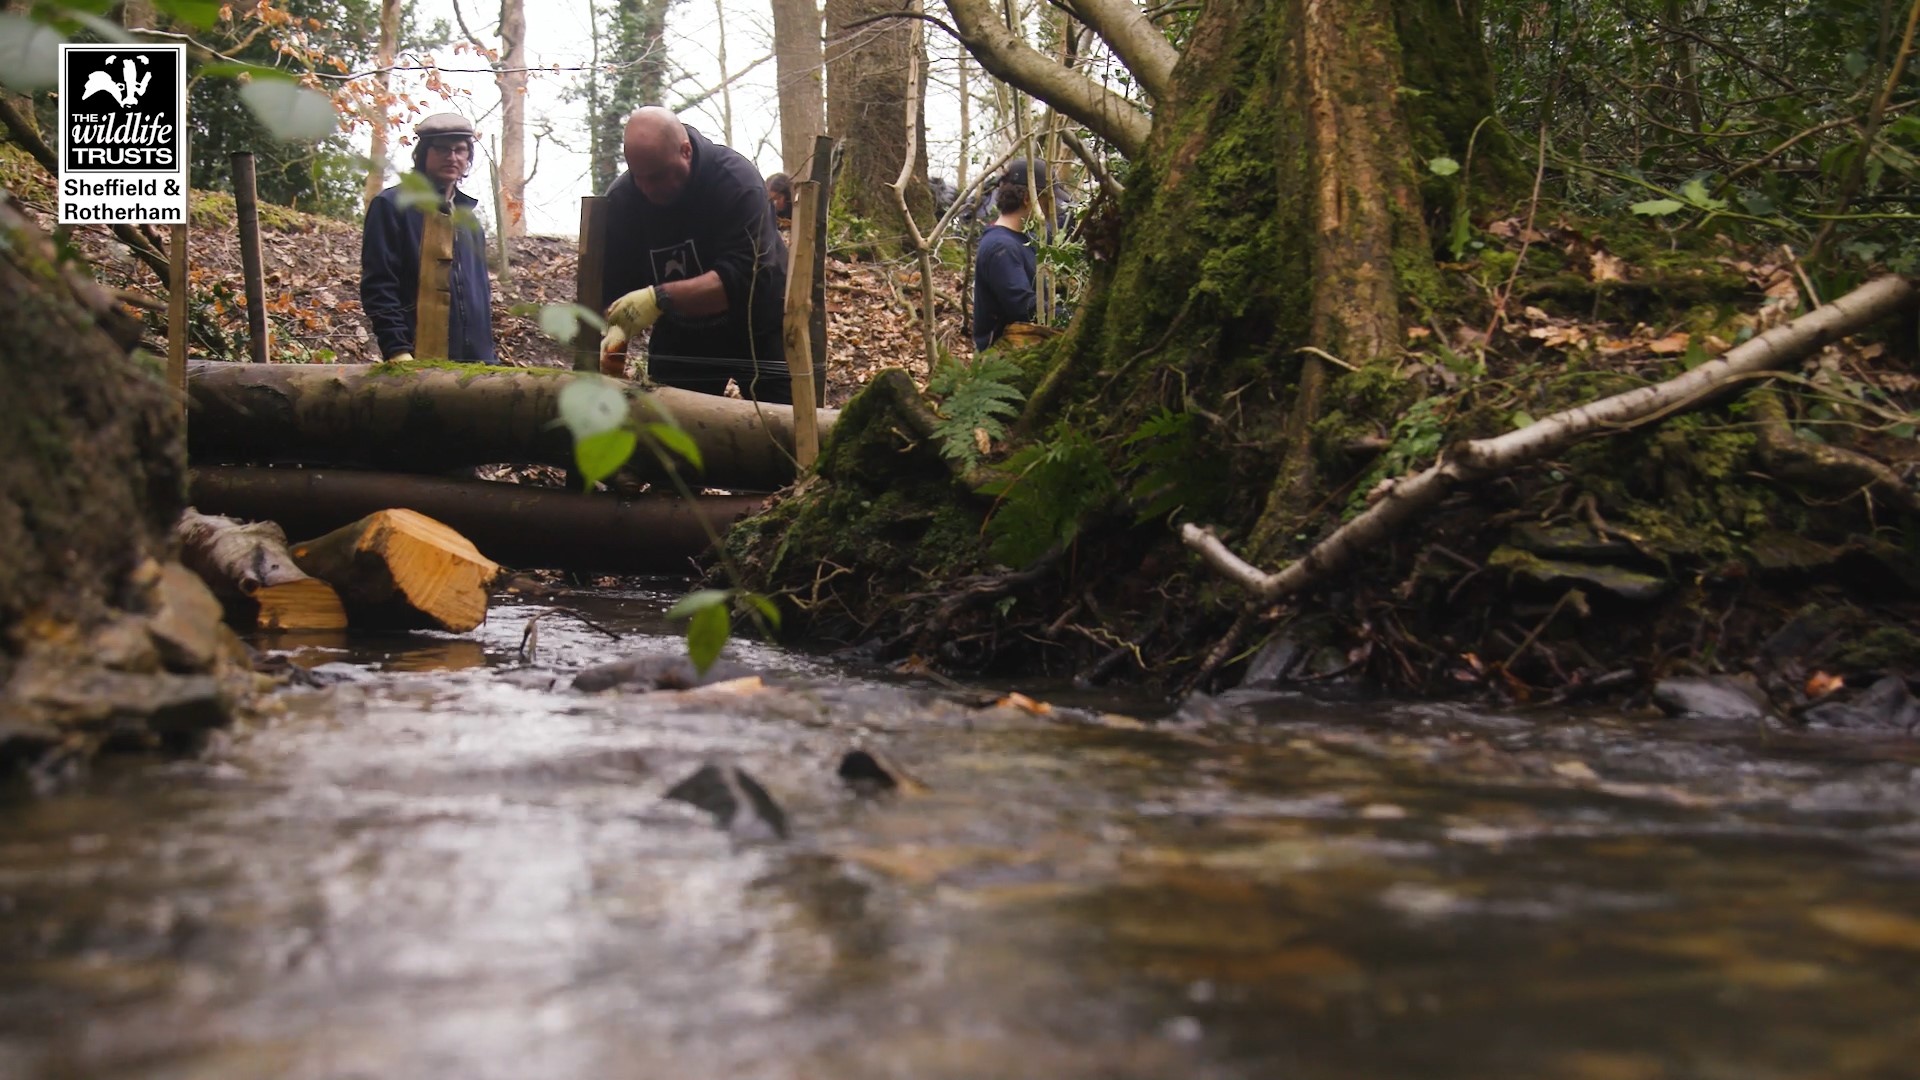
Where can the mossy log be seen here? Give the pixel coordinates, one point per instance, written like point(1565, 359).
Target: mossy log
point(402, 570)
point(514, 524)
point(435, 417)
point(248, 566)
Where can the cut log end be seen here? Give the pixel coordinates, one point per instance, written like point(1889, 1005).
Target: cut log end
point(403, 568)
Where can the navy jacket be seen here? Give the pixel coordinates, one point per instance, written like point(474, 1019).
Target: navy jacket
point(1003, 275)
point(722, 222)
point(390, 279)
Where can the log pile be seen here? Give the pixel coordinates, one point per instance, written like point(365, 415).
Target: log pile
point(394, 569)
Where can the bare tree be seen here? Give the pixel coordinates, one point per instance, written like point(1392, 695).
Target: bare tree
point(798, 59)
point(379, 118)
point(512, 77)
point(872, 52)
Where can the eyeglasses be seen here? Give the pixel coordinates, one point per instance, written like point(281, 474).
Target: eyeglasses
point(459, 149)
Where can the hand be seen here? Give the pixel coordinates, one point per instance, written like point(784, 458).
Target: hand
point(613, 353)
point(400, 358)
point(635, 311)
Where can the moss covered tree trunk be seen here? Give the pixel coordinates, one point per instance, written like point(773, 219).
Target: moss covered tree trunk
point(1278, 218)
point(102, 637)
point(92, 455)
point(867, 69)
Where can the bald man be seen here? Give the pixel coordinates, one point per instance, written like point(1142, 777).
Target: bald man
point(692, 252)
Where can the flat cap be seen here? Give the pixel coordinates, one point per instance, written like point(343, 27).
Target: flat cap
point(444, 123)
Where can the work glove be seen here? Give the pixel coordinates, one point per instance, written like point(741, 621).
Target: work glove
point(635, 311)
point(613, 353)
point(400, 358)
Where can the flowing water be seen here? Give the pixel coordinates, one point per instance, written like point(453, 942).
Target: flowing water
point(442, 863)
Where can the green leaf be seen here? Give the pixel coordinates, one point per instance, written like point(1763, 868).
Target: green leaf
point(1901, 431)
point(767, 608)
point(697, 601)
point(1461, 233)
point(1443, 166)
point(29, 54)
point(591, 404)
point(558, 321)
point(1695, 192)
point(600, 456)
point(290, 111)
point(201, 13)
point(706, 635)
point(677, 441)
point(1856, 63)
point(104, 29)
point(1658, 207)
point(1521, 419)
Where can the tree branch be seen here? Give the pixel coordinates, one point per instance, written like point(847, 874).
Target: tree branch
point(144, 247)
point(1006, 55)
point(1409, 496)
point(1133, 38)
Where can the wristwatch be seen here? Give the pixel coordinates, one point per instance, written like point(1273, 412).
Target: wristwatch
point(665, 299)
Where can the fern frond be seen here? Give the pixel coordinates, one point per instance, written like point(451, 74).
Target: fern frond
point(976, 398)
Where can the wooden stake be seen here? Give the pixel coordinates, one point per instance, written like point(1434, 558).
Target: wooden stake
point(402, 569)
point(433, 307)
point(177, 311)
point(586, 287)
point(821, 173)
point(246, 202)
point(797, 338)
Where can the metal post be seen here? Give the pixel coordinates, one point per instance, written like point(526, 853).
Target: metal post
point(246, 202)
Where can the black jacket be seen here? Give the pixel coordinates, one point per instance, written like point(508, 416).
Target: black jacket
point(390, 279)
point(722, 222)
point(1003, 275)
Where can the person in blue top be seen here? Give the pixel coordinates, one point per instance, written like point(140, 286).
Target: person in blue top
point(1003, 272)
point(390, 251)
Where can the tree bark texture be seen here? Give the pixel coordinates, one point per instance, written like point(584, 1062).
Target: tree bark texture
point(434, 418)
point(379, 118)
point(867, 100)
point(798, 58)
point(512, 524)
point(513, 116)
point(1277, 209)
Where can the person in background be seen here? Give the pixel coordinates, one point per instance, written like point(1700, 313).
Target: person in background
point(780, 194)
point(943, 195)
point(692, 253)
point(390, 251)
point(1003, 272)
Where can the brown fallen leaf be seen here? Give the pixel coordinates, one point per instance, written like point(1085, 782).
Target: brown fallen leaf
point(1671, 345)
point(1607, 267)
point(1869, 926)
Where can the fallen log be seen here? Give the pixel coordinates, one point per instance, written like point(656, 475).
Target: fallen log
point(1481, 458)
point(250, 569)
point(512, 524)
point(397, 569)
point(437, 418)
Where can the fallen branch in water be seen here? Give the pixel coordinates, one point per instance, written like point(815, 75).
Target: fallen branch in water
point(1482, 458)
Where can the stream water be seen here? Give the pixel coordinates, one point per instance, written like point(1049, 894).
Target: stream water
point(443, 863)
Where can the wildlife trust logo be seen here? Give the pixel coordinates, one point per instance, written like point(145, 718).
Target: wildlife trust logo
point(123, 143)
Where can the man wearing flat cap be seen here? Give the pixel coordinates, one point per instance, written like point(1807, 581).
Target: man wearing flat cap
point(390, 250)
